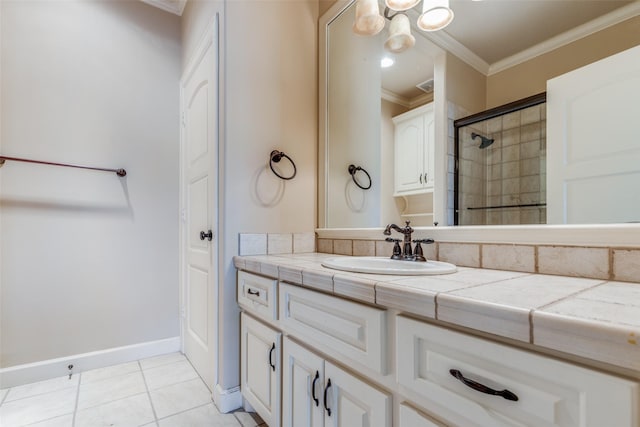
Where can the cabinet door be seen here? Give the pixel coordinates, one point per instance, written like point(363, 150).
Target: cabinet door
point(409, 148)
point(302, 386)
point(428, 171)
point(350, 402)
point(260, 368)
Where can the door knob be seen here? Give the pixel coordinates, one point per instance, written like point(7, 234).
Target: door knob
point(208, 235)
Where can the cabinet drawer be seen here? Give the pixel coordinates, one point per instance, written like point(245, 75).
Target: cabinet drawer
point(258, 295)
point(548, 392)
point(351, 330)
point(409, 417)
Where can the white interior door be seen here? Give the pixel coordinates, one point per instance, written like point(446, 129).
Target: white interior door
point(593, 154)
point(199, 208)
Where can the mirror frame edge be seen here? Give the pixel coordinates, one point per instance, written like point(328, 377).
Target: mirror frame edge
point(579, 234)
point(323, 147)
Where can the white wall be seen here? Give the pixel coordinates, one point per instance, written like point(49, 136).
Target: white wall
point(269, 101)
point(89, 260)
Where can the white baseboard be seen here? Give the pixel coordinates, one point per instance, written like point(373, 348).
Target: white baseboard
point(52, 368)
point(227, 400)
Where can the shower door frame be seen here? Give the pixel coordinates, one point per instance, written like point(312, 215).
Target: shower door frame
point(501, 110)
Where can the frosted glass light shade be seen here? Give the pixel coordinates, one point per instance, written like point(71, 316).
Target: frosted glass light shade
point(400, 38)
point(368, 19)
point(400, 5)
point(436, 15)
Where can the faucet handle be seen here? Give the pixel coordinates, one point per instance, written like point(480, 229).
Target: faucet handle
point(419, 255)
point(425, 241)
point(397, 251)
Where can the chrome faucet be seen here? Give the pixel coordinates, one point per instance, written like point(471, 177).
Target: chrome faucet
point(407, 252)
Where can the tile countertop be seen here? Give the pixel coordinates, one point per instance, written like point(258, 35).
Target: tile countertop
point(590, 318)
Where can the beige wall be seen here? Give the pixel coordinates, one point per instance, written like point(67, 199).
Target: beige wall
point(89, 260)
point(269, 101)
point(465, 85)
point(531, 77)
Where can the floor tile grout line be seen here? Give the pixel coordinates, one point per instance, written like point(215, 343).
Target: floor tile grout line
point(5, 401)
point(146, 391)
point(75, 408)
point(4, 398)
point(183, 357)
point(146, 386)
point(187, 410)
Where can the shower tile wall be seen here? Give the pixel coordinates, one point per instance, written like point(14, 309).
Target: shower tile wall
point(454, 112)
point(511, 171)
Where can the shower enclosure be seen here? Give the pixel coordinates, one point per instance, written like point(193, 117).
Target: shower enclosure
point(500, 167)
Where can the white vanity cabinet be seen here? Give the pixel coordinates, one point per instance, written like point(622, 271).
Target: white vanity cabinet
point(409, 417)
point(260, 368)
point(324, 360)
point(318, 393)
point(414, 151)
point(474, 382)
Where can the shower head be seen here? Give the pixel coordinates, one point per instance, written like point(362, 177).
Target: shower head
point(485, 142)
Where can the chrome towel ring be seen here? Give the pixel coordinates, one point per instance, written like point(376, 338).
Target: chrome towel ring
point(275, 157)
point(353, 170)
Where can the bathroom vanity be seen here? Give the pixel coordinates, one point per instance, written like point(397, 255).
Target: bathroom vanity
point(472, 348)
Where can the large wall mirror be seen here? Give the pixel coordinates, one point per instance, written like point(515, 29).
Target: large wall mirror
point(493, 53)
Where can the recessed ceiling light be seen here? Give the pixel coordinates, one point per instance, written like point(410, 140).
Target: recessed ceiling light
point(386, 62)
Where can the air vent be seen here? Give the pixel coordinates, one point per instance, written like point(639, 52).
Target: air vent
point(426, 86)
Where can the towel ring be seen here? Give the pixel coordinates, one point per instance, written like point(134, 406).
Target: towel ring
point(275, 157)
point(353, 170)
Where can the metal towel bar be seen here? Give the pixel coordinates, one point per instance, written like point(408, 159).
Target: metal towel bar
point(119, 172)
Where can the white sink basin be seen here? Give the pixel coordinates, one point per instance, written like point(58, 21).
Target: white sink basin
point(384, 265)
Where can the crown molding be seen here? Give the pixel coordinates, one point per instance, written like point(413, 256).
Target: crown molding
point(448, 43)
point(172, 6)
point(406, 102)
point(395, 98)
point(584, 30)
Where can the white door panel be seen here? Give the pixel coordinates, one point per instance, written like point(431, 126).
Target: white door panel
point(199, 188)
point(593, 155)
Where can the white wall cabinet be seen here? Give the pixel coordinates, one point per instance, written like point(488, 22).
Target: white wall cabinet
point(260, 368)
point(318, 393)
point(414, 151)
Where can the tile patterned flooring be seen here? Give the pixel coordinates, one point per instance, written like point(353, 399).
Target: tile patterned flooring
point(162, 391)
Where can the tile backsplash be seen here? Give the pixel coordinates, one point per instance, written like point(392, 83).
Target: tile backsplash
point(607, 263)
point(277, 243)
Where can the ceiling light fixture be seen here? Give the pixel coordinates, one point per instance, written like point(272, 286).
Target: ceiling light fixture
point(436, 14)
point(386, 62)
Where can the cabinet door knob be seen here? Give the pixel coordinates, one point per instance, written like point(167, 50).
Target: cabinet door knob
point(420, 178)
point(208, 235)
point(483, 388)
point(252, 292)
point(273, 365)
point(313, 389)
point(326, 389)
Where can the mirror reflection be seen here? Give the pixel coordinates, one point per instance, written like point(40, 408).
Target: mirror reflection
point(462, 70)
point(501, 170)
